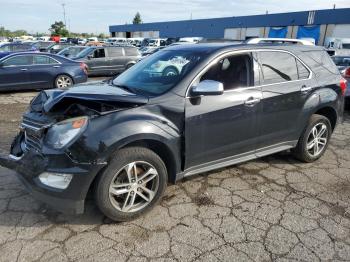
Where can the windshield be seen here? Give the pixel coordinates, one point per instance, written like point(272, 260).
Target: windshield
point(158, 73)
point(85, 52)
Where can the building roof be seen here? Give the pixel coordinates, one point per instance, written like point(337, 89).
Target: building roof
point(317, 17)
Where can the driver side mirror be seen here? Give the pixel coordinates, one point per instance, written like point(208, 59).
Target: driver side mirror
point(90, 57)
point(208, 88)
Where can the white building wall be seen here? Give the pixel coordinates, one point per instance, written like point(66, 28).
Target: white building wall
point(341, 31)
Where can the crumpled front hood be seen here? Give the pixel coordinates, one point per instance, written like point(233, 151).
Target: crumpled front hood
point(92, 93)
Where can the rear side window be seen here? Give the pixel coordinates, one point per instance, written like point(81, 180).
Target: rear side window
point(22, 60)
point(115, 51)
point(278, 67)
point(43, 60)
point(131, 52)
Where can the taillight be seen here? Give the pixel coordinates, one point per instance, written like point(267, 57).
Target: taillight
point(343, 86)
point(346, 72)
point(84, 67)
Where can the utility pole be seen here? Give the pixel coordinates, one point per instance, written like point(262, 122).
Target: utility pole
point(64, 14)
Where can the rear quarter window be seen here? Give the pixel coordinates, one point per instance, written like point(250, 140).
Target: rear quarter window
point(319, 62)
point(131, 52)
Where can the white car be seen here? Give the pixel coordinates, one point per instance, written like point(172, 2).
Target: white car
point(172, 67)
point(279, 40)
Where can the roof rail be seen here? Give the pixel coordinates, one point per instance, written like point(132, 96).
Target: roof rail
point(279, 41)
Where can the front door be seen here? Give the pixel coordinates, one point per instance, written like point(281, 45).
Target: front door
point(98, 63)
point(224, 126)
point(14, 73)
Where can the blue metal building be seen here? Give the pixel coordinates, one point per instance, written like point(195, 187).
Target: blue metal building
point(319, 24)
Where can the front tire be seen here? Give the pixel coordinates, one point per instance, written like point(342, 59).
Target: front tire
point(314, 140)
point(132, 184)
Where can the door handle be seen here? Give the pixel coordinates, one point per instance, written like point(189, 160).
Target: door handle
point(24, 69)
point(56, 66)
point(305, 89)
point(252, 101)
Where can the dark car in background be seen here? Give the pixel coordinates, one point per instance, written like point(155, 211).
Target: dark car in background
point(42, 46)
point(30, 70)
point(150, 50)
point(57, 47)
point(72, 51)
point(125, 139)
point(343, 64)
point(9, 48)
point(108, 60)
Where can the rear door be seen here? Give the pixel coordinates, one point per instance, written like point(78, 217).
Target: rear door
point(43, 71)
point(286, 84)
point(14, 72)
point(117, 59)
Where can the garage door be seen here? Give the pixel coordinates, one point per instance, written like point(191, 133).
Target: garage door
point(253, 32)
point(341, 31)
point(232, 33)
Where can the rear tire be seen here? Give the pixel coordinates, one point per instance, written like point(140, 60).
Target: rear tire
point(63, 81)
point(120, 194)
point(314, 140)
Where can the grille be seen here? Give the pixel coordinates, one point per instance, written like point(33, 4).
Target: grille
point(32, 141)
point(33, 130)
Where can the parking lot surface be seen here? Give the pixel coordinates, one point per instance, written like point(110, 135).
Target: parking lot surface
point(272, 209)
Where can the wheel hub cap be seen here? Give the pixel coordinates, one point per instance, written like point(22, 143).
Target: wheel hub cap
point(134, 187)
point(317, 139)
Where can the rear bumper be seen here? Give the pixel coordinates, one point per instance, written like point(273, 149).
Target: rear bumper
point(80, 79)
point(32, 164)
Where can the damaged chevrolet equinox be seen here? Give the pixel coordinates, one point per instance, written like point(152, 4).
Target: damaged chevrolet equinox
point(185, 110)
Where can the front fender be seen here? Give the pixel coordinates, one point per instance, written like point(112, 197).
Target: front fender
point(107, 134)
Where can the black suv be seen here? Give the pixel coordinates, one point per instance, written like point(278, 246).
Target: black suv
point(184, 110)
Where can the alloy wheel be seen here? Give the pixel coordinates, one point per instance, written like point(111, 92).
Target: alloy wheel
point(63, 82)
point(317, 139)
point(134, 187)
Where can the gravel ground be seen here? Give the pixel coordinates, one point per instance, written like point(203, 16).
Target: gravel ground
point(272, 209)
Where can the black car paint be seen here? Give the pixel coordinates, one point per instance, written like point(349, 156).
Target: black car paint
point(191, 134)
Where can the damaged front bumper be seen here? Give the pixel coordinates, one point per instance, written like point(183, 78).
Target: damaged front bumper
point(32, 164)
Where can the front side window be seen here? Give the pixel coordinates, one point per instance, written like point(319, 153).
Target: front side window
point(22, 60)
point(160, 72)
point(233, 72)
point(278, 67)
point(99, 53)
point(43, 60)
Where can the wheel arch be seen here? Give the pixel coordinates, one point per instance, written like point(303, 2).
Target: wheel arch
point(330, 113)
point(162, 150)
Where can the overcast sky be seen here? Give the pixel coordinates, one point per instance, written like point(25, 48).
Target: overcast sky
point(95, 16)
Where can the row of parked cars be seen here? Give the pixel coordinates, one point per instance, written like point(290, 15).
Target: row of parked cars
point(22, 66)
point(47, 64)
